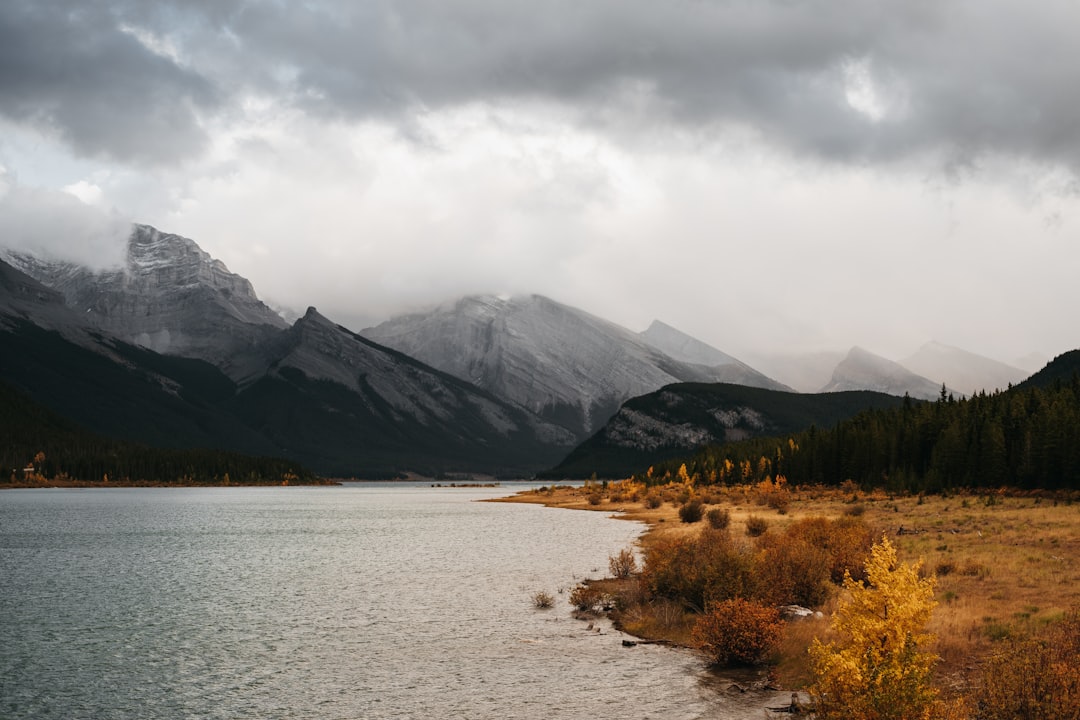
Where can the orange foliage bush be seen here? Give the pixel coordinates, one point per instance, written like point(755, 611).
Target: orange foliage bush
point(694, 571)
point(1036, 679)
point(775, 494)
point(847, 540)
point(792, 571)
point(737, 631)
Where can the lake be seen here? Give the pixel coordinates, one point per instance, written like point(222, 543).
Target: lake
point(360, 601)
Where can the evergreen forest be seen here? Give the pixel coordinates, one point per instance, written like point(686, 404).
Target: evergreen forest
point(41, 447)
point(1027, 437)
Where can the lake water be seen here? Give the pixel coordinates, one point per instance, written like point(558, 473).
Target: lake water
point(362, 601)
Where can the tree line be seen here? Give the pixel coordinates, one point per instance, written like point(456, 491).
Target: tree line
point(39, 445)
point(1025, 437)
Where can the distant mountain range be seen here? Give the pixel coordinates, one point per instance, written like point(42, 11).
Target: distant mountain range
point(314, 392)
point(174, 349)
point(568, 366)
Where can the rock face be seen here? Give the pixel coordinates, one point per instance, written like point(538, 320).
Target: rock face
point(863, 370)
point(170, 297)
point(965, 371)
point(566, 365)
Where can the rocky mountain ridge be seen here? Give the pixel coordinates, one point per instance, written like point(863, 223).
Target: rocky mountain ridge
point(564, 364)
point(170, 296)
point(313, 392)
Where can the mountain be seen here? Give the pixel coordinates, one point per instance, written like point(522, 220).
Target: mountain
point(863, 370)
point(1063, 369)
point(688, 349)
point(340, 402)
point(681, 418)
point(964, 371)
point(314, 392)
point(567, 366)
point(100, 382)
point(170, 297)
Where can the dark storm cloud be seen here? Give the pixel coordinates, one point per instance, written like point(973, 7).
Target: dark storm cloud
point(72, 70)
point(960, 78)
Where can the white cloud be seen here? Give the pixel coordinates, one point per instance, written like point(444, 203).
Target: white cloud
point(764, 175)
point(56, 224)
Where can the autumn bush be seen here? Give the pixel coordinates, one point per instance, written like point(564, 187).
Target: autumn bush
point(792, 571)
point(847, 540)
point(719, 518)
point(695, 570)
point(587, 598)
point(756, 526)
point(622, 565)
point(691, 511)
point(774, 493)
point(1037, 678)
point(542, 600)
point(737, 631)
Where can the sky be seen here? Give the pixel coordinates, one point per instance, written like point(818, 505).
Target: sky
point(769, 176)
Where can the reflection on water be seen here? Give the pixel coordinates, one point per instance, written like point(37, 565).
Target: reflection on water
point(350, 602)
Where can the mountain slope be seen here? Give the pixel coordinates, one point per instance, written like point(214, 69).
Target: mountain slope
point(566, 365)
point(961, 370)
point(170, 297)
point(862, 370)
point(688, 349)
point(339, 401)
point(679, 419)
point(102, 383)
point(316, 393)
point(1065, 368)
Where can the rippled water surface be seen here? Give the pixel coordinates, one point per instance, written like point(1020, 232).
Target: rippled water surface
point(343, 602)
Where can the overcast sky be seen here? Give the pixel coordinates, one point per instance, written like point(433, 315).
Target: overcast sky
point(766, 175)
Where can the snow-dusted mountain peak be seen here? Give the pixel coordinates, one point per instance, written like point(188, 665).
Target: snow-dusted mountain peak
point(561, 362)
point(863, 370)
point(170, 296)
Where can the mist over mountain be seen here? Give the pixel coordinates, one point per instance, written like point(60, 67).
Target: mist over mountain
point(863, 370)
point(805, 372)
point(686, 348)
point(481, 384)
point(169, 296)
point(313, 391)
point(961, 370)
point(564, 364)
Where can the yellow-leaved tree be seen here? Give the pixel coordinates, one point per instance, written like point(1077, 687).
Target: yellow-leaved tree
point(880, 669)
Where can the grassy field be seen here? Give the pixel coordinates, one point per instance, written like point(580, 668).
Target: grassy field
point(1006, 564)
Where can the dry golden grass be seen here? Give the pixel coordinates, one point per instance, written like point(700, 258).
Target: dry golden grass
point(1006, 565)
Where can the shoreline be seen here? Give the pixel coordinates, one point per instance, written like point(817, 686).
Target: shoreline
point(752, 690)
point(91, 485)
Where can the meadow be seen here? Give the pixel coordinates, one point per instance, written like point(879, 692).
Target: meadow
point(1005, 563)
